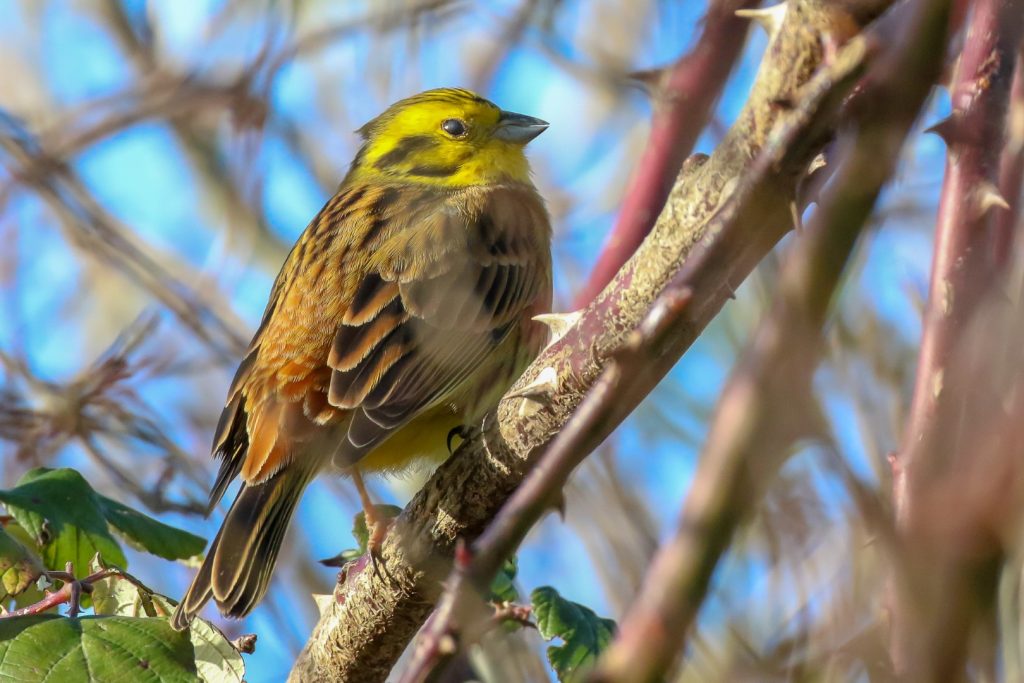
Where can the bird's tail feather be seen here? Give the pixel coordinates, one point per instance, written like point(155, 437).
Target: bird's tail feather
point(241, 558)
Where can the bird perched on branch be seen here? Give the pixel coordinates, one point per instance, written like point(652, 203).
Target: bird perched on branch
point(404, 311)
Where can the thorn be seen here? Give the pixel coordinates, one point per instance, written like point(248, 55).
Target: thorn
point(945, 129)
point(732, 290)
point(446, 645)
point(798, 223)
point(323, 601)
point(537, 394)
point(559, 505)
point(894, 462)
point(937, 382)
point(558, 323)
point(769, 18)
point(989, 197)
point(805, 187)
point(817, 163)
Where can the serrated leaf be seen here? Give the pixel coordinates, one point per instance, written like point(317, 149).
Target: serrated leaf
point(123, 595)
point(62, 513)
point(503, 588)
point(19, 567)
point(584, 635)
point(89, 649)
point(149, 534)
point(216, 659)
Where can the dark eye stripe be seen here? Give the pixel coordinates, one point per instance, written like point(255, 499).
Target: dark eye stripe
point(401, 151)
point(428, 171)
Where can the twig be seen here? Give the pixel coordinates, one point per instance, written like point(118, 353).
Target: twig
point(70, 592)
point(512, 32)
point(684, 97)
point(1011, 167)
point(761, 410)
point(964, 268)
point(391, 17)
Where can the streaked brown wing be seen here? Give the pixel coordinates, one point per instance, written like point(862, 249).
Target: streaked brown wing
point(282, 361)
point(419, 287)
point(440, 299)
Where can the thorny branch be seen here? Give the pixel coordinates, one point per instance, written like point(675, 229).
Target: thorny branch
point(933, 609)
point(755, 423)
point(97, 233)
point(99, 405)
point(362, 632)
point(684, 96)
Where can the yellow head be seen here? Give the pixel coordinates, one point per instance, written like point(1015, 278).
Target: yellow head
point(449, 137)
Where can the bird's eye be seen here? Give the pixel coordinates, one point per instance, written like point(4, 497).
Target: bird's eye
point(453, 127)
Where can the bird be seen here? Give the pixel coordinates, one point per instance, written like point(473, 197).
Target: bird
point(403, 312)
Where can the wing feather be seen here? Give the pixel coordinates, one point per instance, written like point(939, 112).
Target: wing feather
point(391, 299)
point(464, 279)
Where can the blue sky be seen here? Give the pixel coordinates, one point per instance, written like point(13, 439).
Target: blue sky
point(142, 176)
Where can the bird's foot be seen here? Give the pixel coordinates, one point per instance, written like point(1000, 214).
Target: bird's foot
point(378, 525)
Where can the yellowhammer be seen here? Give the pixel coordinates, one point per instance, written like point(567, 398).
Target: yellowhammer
point(404, 311)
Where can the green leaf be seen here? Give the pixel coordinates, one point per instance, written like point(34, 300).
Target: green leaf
point(503, 588)
point(123, 595)
point(88, 649)
point(361, 534)
point(147, 533)
point(19, 566)
point(68, 520)
point(216, 659)
point(63, 515)
point(584, 634)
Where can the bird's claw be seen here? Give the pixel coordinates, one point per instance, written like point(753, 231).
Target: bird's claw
point(463, 433)
point(378, 528)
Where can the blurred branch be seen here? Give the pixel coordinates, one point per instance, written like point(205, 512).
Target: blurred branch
point(100, 403)
point(684, 97)
point(396, 15)
point(763, 409)
point(101, 236)
point(511, 35)
point(251, 109)
point(365, 628)
point(964, 268)
point(1011, 165)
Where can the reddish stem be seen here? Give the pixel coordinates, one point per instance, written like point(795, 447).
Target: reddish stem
point(964, 260)
point(684, 101)
point(70, 593)
point(967, 257)
point(1011, 166)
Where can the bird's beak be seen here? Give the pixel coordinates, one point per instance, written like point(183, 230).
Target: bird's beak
point(518, 128)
